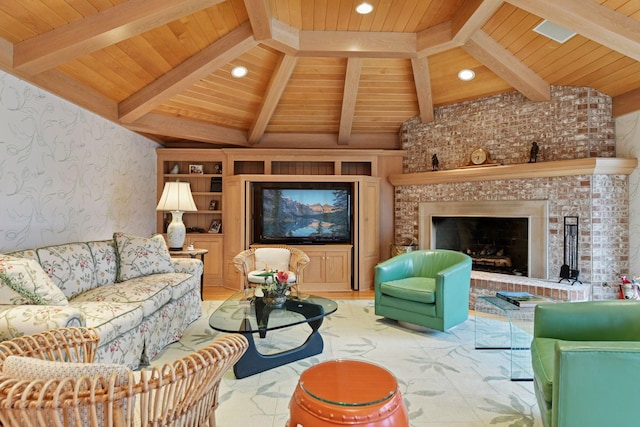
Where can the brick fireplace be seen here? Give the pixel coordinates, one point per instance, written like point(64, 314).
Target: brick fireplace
point(577, 174)
point(533, 212)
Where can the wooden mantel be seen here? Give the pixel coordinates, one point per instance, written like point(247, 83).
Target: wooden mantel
point(588, 166)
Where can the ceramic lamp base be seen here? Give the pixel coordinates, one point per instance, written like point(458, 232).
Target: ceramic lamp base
point(176, 231)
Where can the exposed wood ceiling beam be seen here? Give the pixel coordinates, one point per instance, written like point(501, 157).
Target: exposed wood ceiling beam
point(471, 16)
point(422, 81)
point(188, 73)
point(361, 44)
point(6, 54)
point(590, 19)
point(98, 31)
point(269, 31)
point(435, 40)
point(274, 91)
point(384, 141)
point(626, 103)
point(505, 65)
point(159, 124)
point(448, 35)
point(260, 16)
point(349, 98)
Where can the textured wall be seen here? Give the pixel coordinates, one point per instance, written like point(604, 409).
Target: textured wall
point(66, 174)
point(576, 123)
point(628, 145)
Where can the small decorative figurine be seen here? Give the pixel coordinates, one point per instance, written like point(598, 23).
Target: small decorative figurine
point(175, 169)
point(434, 162)
point(533, 155)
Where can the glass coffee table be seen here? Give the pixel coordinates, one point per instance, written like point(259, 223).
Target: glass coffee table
point(248, 315)
point(502, 325)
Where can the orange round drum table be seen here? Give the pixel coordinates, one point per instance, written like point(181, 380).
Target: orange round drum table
point(347, 392)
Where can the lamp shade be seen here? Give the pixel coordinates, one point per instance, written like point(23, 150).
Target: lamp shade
point(176, 196)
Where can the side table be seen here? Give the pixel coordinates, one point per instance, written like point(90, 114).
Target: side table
point(193, 253)
point(501, 325)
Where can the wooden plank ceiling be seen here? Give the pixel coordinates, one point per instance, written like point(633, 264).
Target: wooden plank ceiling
point(319, 74)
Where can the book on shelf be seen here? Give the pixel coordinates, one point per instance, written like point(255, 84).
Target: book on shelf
point(523, 299)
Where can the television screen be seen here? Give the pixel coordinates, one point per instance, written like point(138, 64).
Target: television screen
point(311, 214)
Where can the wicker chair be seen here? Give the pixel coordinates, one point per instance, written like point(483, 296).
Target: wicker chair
point(183, 393)
point(249, 261)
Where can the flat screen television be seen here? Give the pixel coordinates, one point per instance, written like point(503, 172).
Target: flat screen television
point(302, 213)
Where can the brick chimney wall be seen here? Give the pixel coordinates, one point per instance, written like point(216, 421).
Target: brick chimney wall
point(576, 123)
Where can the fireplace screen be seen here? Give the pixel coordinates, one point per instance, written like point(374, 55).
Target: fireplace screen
point(497, 245)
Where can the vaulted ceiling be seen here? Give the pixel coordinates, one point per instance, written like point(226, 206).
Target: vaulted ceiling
point(319, 74)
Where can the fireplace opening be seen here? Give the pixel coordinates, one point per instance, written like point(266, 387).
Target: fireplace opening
point(497, 245)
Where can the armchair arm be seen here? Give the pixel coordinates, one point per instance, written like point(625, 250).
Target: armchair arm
point(18, 320)
point(244, 261)
point(613, 320)
point(62, 345)
point(595, 384)
point(453, 283)
point(192, 266)
point(298, 261)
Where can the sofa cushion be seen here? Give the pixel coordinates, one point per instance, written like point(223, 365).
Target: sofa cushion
point(419, 289)
point(70, 266)
point(111, 319)
point(23, 281)
point(542, 359)
point(141, 256)
point(149, 292)
point(104, 257)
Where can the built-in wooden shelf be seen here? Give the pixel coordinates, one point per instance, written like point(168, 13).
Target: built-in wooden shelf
point(589, 166)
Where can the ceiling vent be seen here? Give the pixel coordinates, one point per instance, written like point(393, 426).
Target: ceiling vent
point(554, 31)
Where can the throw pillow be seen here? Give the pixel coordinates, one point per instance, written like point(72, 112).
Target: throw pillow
point(23, 281)
point(141, 256)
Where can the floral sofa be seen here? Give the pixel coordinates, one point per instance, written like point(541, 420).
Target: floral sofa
point(129, 289)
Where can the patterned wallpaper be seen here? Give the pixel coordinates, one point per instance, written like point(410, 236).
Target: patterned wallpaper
point(628, 145)
point(67, 174)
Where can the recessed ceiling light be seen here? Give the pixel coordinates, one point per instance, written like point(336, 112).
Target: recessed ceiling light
point(239, 72)
point(466, 75)
point(364, 8)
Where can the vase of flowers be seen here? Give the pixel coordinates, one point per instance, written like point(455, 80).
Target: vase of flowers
point(275, 288)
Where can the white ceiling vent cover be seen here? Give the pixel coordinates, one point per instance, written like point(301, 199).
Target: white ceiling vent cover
point(554, 31)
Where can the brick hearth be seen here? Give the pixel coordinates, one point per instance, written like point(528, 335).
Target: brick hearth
point(483, 283)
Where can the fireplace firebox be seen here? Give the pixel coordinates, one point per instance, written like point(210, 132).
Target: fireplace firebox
point(497, 245)
point(494, 233)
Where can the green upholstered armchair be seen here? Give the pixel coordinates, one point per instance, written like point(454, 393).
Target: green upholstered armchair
point(427, 288)
point(586, 363)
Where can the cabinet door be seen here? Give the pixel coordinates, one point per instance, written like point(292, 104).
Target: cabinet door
point(233, 228)
point(314, 271)
point(369, 233)
point(336, 267)
point(213, 260)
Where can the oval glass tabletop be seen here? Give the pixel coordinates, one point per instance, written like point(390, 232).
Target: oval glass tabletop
point(249, 314)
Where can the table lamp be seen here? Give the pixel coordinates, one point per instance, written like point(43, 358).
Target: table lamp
point(176, 197)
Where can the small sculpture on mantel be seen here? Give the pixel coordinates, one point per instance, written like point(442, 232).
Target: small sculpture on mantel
point(533, 154)
point(435, 164)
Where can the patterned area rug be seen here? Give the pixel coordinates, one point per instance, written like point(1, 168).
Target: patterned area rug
point(443, 379)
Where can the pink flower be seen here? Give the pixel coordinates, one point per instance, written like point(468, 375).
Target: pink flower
point(282, 276)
